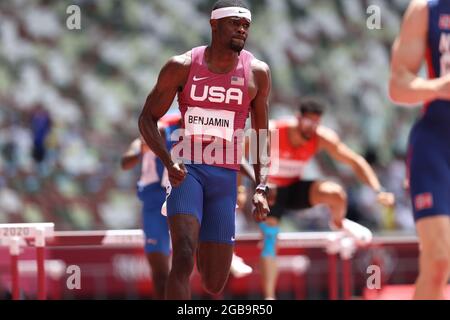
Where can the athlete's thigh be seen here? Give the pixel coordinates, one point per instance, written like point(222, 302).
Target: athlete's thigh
point(184, 230)
point(187, 198)
point(159, 262)
point(219, 207)
point(185, 211)
point(434, 236)
point(217, 232)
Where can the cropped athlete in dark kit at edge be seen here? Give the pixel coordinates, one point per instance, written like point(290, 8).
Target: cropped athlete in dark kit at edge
point(425, 36)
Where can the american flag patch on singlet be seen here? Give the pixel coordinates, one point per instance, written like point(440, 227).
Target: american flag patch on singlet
point(237, 81)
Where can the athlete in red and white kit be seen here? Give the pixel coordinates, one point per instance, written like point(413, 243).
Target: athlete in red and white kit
point(299, 140)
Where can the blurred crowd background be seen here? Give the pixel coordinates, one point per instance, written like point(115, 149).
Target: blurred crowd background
point(70, 99)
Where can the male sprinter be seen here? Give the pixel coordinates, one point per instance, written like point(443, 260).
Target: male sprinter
point(299, 140)
point(217, 86)
point(152, 191)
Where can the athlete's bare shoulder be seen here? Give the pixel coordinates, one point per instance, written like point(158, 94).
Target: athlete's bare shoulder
point(176, 70)
point(327, 135)
point(260, 82)
point(260, 67)
point(179, 63)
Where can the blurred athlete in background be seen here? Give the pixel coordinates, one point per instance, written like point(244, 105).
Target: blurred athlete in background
point(299, 140)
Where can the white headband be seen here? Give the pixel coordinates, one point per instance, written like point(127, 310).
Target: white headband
point(231, 12)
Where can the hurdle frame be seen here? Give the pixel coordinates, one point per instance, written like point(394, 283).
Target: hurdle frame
point(16, 235)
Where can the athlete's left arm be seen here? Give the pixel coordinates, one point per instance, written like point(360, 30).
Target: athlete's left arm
point(260, 123)
point(332, 144)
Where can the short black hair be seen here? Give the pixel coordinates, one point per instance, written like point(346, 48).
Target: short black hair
point(312, 105)
point(230, 3)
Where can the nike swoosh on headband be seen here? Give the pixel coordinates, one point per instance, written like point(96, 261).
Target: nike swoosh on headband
point(231, 12)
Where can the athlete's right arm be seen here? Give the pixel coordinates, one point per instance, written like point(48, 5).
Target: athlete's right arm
point(408, 52)
point(172, 78)
point(247, 170)
point(131, 157)
point(260, 123)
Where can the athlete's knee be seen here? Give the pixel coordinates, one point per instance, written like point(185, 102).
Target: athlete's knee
point(333, 194)
point(160, 278)
point(160, 272)
point(183, 257)
point(213, 284)
point(270, 233)
point(437, 270)
point(328, 192)
point(338, 196)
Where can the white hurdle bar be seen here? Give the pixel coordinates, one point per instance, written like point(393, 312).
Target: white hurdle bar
point(14, 235)
point(336, 244)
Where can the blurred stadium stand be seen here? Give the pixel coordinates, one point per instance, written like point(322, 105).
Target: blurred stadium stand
point(93, 83)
